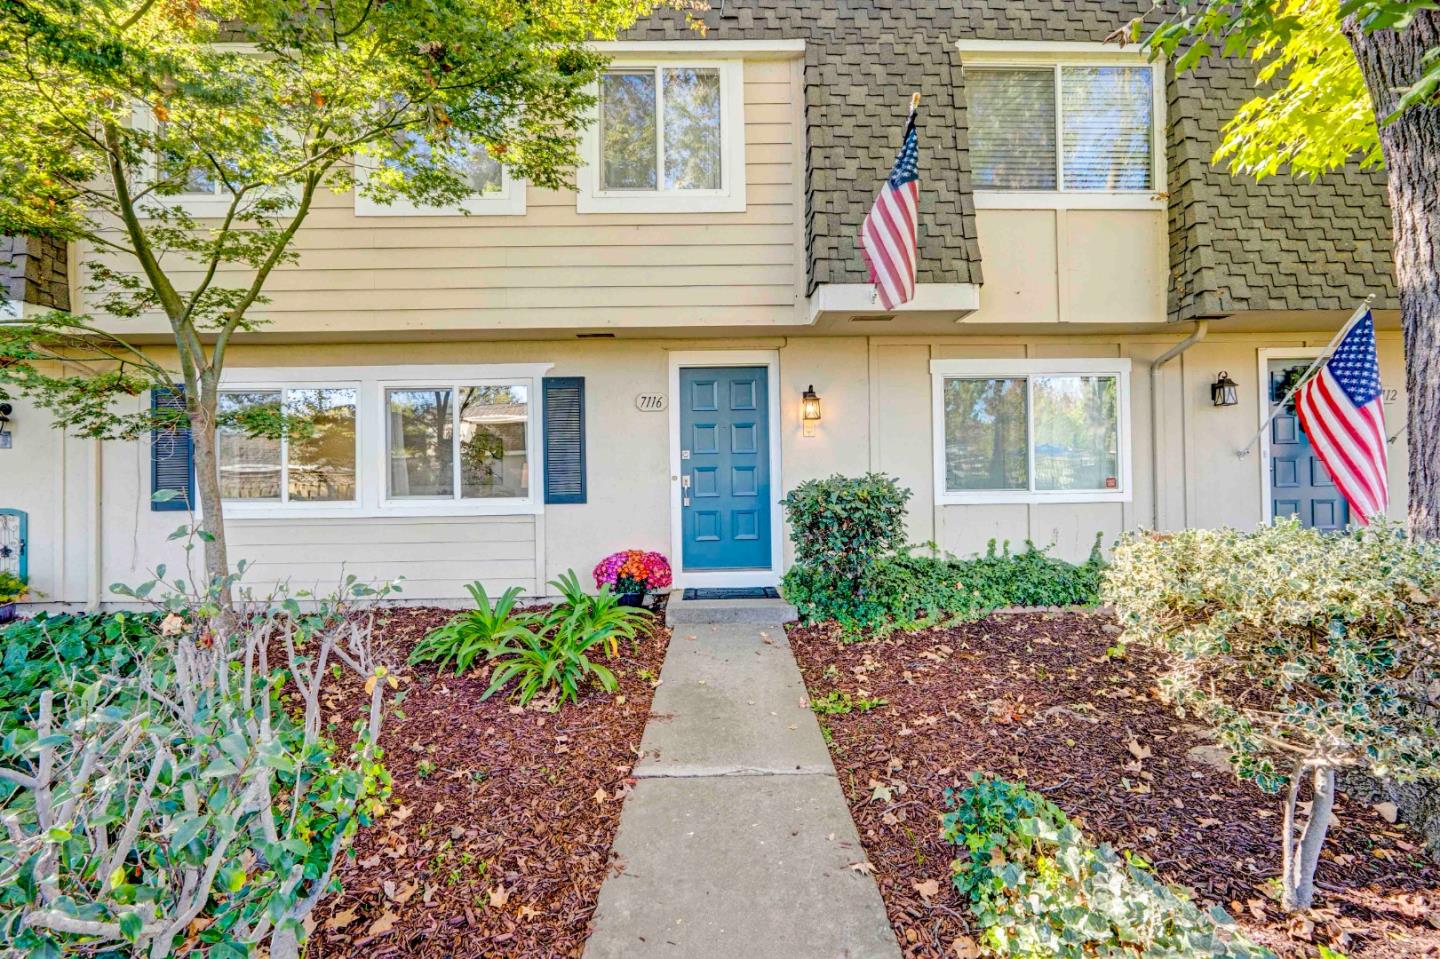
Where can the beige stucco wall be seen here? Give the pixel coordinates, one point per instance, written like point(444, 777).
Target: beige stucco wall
point(876, 396)
point(361, 274)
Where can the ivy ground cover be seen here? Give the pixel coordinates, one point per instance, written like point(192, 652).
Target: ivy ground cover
point(1035, 698)
point(498, 834)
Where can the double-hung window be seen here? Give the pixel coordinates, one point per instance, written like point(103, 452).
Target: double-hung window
point(668, 137)
point(1084, 133)
point(1019, 431)
point(494, 191)
point(458, 443)
point(313, 462)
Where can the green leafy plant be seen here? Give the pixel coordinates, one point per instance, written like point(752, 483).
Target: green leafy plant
point(1039, 889)
point(844, 524)
point(12, 587)
point(475, 631)
point(598, 615)
point(912, 591)
point(1304, 652)
point(64, 653)
point(839, 703)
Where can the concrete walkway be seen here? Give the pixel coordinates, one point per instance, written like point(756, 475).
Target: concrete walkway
point(736, 841)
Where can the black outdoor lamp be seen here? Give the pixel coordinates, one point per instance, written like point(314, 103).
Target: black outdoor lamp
point(1223, 392)
point(5, 410)
point(810, 409)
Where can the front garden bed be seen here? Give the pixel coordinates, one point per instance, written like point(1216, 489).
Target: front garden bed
point(1037, 698)
point(498, 833)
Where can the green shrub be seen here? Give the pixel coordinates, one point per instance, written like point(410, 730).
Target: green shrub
point(12, 587)
point(844, 524)
point(910, 591)
point(1304, 652)
point(63, 653)
point(540, 653)
point(474, 632)
point(1040, 890)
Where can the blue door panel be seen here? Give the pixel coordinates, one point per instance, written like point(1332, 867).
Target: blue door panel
point(725, 459)
point(1300, 485)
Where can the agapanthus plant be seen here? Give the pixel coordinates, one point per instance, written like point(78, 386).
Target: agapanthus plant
point(633, 571)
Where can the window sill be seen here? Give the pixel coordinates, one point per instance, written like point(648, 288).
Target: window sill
point(1054, 200)
point(732, 202)
point(408, 511)
point(1023, 497)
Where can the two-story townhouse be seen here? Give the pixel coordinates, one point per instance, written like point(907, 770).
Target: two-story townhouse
point(510, 393)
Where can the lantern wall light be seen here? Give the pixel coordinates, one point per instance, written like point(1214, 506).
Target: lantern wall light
point(809, 410)
point(1224, 391)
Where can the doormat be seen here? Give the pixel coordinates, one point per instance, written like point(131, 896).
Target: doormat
point(756, 592)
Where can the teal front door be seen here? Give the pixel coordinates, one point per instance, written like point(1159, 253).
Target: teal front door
point(1300, 485)
point(725, 468)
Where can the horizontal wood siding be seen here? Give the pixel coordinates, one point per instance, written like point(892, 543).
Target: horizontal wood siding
point(437, 556)
point(554, 267)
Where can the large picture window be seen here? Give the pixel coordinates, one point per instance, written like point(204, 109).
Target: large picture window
point(1064, 128)
point(668, 137)
point(315, 462)
point(1031, 431)
point(458, 442)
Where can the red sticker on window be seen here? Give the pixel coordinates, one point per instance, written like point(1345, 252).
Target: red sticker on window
point(1110, 482)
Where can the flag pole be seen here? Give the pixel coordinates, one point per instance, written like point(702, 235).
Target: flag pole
point(1360, 311)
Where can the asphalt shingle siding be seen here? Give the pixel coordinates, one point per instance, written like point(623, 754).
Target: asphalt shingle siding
point(33, 270)
point(1284, 244)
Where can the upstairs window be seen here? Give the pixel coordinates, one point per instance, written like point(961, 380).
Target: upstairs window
point(494, 191)
point(668, 137)
point(1063, 128)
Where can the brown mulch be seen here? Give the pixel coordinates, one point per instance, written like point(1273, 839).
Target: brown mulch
point(498, 833)
point(1033, 697)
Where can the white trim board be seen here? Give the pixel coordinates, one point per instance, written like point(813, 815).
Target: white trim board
point(770, 359)
point(861, 298)
point(1119, 367)
point(751, 49)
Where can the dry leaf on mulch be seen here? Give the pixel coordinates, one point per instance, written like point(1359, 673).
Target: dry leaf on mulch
point(493, 844)
point(1035, 698)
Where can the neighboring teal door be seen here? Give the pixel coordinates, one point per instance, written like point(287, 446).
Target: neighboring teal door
point(725, 468)
point(1300, 485)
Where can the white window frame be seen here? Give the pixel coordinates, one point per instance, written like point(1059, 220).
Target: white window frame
point(730, 198)
point(1001, 54)
point(245, 507)
point(510, 201)
point(371, 427)
point(203, 206)
point(941, 370)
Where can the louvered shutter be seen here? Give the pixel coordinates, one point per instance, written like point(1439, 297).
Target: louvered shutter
point(1108, 119)
point(172, 461)
point(1010, 115)
point(564, 429)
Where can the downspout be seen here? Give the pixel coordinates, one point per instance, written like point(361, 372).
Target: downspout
point(1201, 328)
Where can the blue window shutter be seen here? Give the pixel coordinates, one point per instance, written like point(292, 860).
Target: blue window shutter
point(172, 459)
point(564, 426)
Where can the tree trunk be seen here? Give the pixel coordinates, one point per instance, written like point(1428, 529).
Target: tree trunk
point(1302, 856)
point(201, 409)
point(1390, 61)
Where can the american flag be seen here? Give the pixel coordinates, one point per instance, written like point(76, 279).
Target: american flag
point(1340, 410)
point(888, 235)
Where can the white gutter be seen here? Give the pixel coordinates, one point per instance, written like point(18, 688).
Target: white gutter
point(1201, 328)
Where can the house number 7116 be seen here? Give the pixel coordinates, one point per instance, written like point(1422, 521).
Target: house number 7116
point(650, 402)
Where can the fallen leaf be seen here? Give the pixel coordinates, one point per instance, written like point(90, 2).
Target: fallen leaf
point(382, 925)
point(341, 919)
point(499, 896)
point(600, 796)
point(1137, 749)
point(965, 948)
point(1387, 810)
point(928, 889)
point(863, 868)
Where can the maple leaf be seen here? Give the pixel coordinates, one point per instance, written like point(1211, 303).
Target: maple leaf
point(863, 868)
point(499, 896)
point(1137, 749)
point(382, 925)
point(341, 919)
point(928, 889)
point(965, 948)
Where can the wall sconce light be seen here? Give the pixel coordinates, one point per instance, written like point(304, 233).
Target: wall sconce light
point(1223, 392)
point(5, 436)
point(809, 410)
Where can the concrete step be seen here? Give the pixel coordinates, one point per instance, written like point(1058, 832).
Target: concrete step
point(703, 612)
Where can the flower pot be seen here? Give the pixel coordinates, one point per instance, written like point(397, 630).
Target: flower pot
point(7, 612)
point(632, 599)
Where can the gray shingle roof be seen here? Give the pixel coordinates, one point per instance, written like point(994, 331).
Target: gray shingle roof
point(1283, 244)
point(32, 270)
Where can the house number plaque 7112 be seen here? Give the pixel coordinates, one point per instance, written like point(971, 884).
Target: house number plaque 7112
point(650, 402)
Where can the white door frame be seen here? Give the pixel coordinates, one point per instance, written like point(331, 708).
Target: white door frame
point(1266, 354)
point(770, 359)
